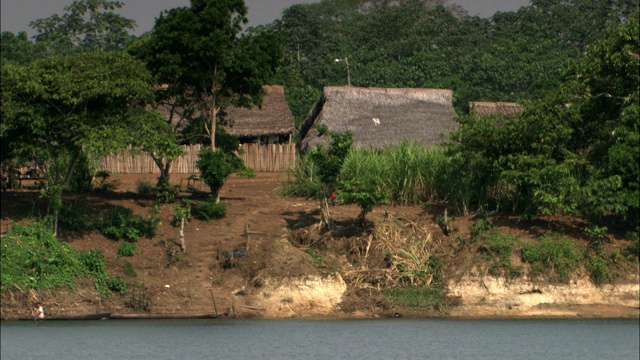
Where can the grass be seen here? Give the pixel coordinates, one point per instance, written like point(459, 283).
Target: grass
point(553, 256)
point(32, 258)
point(500, 247)
point(415, 297)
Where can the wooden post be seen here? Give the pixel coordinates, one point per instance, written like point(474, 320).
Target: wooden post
point(214, 302)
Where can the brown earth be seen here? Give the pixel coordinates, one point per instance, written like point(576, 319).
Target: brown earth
point(292, 269)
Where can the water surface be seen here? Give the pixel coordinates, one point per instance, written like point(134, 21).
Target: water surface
point(321, 339)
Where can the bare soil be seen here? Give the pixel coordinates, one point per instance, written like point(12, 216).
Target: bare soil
point(280, 237)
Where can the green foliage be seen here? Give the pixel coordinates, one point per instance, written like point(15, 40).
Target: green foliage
point(209, 65)
point(129, 269)
point(118, 284)
point(32, 258)
point(76, 216)
point(480, 226)
point(211, 210)
point(552, 255)
point(18, 49)
point(302, 180)
point(182, 212)
point(121, 223)
point(364, 195)
point(415, 297)
point(165, 193)
point(127, 249)
point(93, 262)
point(328, 160)
point(216, 166)
point(145, 188)
point(598, 269)
point(500, 248)
point(633, 249)
point(87, 25)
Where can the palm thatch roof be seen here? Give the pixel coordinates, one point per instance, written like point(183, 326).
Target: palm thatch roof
point(507, 109)
point(379, 117)
point(273, 118)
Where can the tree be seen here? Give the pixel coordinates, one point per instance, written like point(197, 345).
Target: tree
point(198, 53)
point(329, 161)
point(18, 49)
point(86, 25)
point(364, 194)
point(62, 108)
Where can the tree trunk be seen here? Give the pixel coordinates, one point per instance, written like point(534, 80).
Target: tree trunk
point(214, 110)
point(183, 244)
point(325, 220)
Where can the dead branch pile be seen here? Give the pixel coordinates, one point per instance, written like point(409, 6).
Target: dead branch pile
point(398, 253)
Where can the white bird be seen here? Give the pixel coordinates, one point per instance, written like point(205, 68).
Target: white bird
point(376, 121)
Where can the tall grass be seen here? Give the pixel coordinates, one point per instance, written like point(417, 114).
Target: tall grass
point(410, 172)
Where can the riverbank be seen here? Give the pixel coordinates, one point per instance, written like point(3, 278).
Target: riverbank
point(293, 271)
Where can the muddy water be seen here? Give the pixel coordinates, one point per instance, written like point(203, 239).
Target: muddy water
point(331, 339)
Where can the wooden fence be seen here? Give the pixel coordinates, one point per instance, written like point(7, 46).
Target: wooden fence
point(261, 158)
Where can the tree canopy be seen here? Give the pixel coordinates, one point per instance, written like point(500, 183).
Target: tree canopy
point(199, 52)
point(85, 25)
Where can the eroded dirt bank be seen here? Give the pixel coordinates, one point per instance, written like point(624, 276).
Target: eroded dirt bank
point(292, 270)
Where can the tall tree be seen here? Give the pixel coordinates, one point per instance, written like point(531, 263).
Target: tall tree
point(199, 53)
point(17, 48)
point(63, 107)
point(86, 25)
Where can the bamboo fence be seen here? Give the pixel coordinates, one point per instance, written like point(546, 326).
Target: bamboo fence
point(261, 158)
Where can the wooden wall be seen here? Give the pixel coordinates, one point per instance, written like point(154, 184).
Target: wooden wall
point(261, 158)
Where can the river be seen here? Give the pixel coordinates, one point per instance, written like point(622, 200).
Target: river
point(394, 339)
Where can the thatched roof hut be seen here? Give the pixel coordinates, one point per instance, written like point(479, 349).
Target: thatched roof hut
point(379, 117)
point(274, 118)
point(507, 109)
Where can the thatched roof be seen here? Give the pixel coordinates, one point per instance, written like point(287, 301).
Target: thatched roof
point(381, 116)
point(273, 118)
point(508, 109)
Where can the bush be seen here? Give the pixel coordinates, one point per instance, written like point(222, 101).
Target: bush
point(145, 188)
point(129, 269)
point(75, 216)
point(211, 210)
point(93, 262)
point(126, 249)
point(165, 193)
point(120, 223)
point(501, 246)
point(32, 258)
point(302, 180)
point(598, 269)
point(552, 255)
point(118, 284)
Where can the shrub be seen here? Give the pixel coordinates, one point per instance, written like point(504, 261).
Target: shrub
point(501, 246)
point(126, 249)
point(120, 223)
point(165, 193)
point(32, 258)
point(598, 269)
point(302, 180)
point(145, 188)
point(118, 284)
point(210, 210)
point(129, 269)
point(93, 262)
point(552, 255)
point(75, 216)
